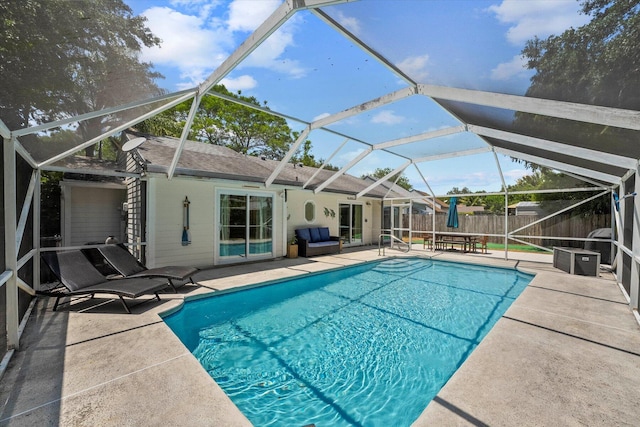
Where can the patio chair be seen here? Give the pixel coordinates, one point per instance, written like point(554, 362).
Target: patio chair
point(80, 278)
point(128, 266)
point(482, 244)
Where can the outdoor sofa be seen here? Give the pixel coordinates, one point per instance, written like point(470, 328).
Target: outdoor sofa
point(313, 241)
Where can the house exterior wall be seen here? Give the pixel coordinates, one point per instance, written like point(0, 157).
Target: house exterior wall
point(529, 211)
point(165, 219)
point(91, 212)
point(165, 222)
point(295, 214)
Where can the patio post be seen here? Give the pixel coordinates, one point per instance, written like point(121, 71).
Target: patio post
point(10, 233)
point(619, 214)
point(506, 205)
point(506, 223)
point(635, 247)
point(37, 200)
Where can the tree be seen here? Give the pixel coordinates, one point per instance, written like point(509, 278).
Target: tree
point(166, 123)
point(221, 122)
point(403, 181)
point(468, 200)
point(494, 204)
point(50, 203)
point(304, 156)
point(244, 129)
point(60, 59)
point(598, 64)
point(546, 179)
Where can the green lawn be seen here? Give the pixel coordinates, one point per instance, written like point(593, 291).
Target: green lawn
point(515, 248)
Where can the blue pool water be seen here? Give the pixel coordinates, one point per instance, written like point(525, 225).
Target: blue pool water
point(367, 345)
point(235, 249)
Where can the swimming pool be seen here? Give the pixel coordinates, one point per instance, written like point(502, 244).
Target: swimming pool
point(366, 345)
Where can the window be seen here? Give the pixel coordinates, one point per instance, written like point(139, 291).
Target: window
point(310, 211)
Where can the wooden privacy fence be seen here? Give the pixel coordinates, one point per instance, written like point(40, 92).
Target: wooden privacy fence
point(558, 226)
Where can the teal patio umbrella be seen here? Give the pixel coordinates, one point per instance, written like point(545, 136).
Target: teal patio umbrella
point(452, 214)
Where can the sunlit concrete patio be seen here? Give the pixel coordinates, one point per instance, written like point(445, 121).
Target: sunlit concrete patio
point(567, 352)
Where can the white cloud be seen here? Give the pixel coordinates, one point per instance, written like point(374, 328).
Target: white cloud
point(475, 181)
point(350, 23)
point(387, 117)
point(368, 165)
point(243, 82)
point(270, 53)
point(195, 40)
point(187, 43)
point(365, 166)
point(515, 174)
point(506, 70)
point(345, 158)
point(202, 7)
point(540, 18)
point(415, 66)
point(248, 15)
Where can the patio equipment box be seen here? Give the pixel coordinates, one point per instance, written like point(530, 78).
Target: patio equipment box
point(577, 261)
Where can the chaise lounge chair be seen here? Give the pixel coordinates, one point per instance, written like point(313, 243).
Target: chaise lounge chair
point(76, 273)
point(128, 266)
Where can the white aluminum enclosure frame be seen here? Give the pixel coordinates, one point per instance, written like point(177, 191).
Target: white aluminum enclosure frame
point(626, 119)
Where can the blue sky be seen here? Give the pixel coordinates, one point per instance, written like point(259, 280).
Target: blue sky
point(307, 70)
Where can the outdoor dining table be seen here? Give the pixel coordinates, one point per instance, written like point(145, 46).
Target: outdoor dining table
point(466, 241)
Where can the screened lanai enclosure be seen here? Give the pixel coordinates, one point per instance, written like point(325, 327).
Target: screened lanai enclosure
point(388, 81)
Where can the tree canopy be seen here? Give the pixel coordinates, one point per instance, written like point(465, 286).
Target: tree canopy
point(598, 63)
point(403, 181)
point(62, 58)
point(235, 125)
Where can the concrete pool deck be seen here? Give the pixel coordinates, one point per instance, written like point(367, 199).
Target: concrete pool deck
point(567, 352)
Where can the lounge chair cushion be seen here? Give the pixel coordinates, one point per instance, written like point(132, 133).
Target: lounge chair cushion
point(127, 265)
point(73, 269)
point(80, 277)
point(121, 260)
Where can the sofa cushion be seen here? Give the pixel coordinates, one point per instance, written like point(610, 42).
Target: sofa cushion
point(324, 244)
point(324, 234)
point(315, 235)
point(303, 233)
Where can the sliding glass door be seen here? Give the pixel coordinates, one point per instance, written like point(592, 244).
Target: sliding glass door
point(246, 226)
point(260, 217)
point(351, 223)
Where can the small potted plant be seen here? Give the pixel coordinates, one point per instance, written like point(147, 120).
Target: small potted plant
point(292, 248)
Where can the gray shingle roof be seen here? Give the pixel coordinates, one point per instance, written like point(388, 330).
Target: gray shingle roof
point(215, 161)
